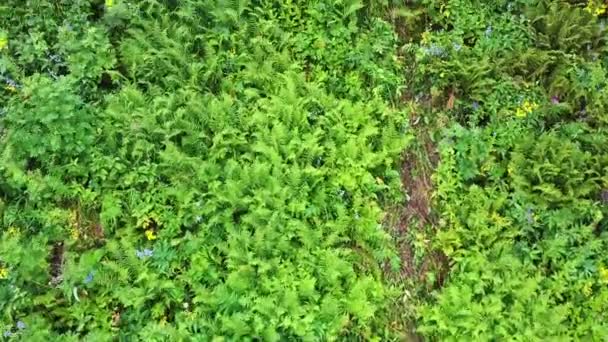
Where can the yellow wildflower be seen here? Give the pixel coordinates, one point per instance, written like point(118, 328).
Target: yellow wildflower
point(109, 3)
point(10, 88)
point(3, 42)
point(3, 273)
point(526, 108)
point(596, 8)
point(13, 231)
point(150, 234)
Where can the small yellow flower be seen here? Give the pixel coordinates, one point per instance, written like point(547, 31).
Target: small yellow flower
point(596, 8)
point(526, 108)
point(150, 234)
point(3, 273)
point(109, 3)
point(3, 42)
point(10, 88)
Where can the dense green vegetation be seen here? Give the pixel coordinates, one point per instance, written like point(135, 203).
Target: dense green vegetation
point(252, 169)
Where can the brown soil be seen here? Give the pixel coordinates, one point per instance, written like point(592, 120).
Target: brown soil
point(417, 213)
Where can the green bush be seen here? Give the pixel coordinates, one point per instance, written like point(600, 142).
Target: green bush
point(521, 185)
point(197, 168)
point(228, 170)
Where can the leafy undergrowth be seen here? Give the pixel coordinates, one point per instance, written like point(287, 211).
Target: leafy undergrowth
point(233, 170)
point(197, 168)
point(519, 112)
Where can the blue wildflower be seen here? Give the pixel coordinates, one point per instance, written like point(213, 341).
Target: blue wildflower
point(457, 46)
point(7, 334)
point(11, 83)
point(55, 58)
point(21, 325)
point(436, 51)
point(488, 31)
point(475, 105)
point(89, 277)
point(144, 254)
point(529, 216)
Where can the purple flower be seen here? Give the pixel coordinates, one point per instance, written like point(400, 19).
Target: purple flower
point(21, 325)
point(89, 277)
point(555, 99)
